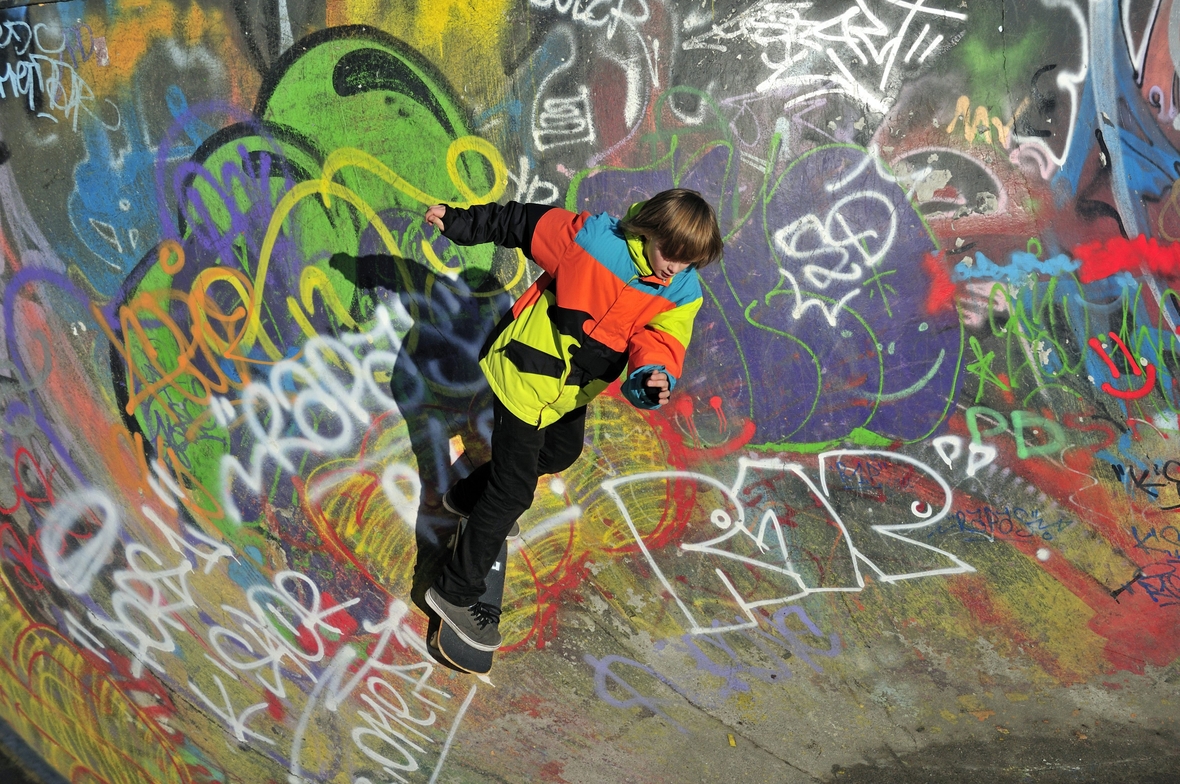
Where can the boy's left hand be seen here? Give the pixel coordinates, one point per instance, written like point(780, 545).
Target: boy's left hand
point(657, 388)
point(435, 215)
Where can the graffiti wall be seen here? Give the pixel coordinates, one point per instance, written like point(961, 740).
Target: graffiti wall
point(917, 490)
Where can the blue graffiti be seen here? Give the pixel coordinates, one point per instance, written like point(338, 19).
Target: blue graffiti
point(1142, 161)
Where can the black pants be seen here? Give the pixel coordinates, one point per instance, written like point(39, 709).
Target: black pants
point(501, 490)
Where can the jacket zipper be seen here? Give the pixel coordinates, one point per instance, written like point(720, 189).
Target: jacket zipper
point(619, 296)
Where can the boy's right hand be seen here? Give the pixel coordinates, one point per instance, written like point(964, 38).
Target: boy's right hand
point(655, 386)
point(434, 216)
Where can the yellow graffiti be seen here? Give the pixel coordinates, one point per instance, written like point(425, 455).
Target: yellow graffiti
point(350, 156)
point(559, 538)
point(980, 123)
point(325, 188)
point(522, 264)
point(71, 713)
point(200, 308)
point(253, 327)
point(436, 263)
point(1170, 214)
point(449, 273)
point(364, 508)
point(300, 319)
point(312, 280)
point(460, 37)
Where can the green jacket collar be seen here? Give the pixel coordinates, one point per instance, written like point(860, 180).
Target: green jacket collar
point(635, 246)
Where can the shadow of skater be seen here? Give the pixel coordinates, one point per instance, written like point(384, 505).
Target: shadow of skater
point(437, 382)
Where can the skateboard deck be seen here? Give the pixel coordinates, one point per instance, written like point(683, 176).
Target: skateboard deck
point(432, 629)
point(439, 549)
point(458, 653)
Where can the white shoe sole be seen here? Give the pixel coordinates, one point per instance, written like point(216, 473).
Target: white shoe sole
point(446, 505)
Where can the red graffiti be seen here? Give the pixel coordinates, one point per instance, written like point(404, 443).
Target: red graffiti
point(23, 494)
point(942, 289)
point(1124, 394)
point(25, 552)
point(1103, 258)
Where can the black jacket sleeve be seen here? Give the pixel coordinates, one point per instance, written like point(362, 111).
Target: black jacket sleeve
point(509, 225)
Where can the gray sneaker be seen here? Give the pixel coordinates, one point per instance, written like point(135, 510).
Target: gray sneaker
point(450, 505)
point(478, 625)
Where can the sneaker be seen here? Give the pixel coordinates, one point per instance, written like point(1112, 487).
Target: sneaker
point(450, 505)
point(477, 625)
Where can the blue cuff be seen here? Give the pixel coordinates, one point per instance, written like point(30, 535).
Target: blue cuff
point(633, 388)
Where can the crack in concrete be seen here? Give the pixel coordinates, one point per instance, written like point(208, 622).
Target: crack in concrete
point(737, 733)
point(1004, 49)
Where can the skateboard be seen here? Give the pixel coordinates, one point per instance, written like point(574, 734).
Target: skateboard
point(435, 552)
point(455, 652)
point(435, 622)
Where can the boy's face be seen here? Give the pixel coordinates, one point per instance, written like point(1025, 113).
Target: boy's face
point(661, 267)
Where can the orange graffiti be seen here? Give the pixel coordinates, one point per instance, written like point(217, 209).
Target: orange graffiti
point(134, 27)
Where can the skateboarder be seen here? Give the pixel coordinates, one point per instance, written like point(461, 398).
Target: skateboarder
point(614, 294)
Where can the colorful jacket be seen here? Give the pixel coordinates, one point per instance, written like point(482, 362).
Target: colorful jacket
point(595, 311)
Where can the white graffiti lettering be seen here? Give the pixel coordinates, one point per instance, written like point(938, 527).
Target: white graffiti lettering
point(77, 571)
point(262, 641)
point(600, 13)
point(324, 409)
point(810, 239)
point(225, 712)
point(856, 50)
point(758, 542)
point(40, 71)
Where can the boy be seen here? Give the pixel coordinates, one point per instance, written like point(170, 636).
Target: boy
point(614, 293)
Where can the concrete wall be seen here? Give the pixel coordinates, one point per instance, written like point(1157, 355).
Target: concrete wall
point(913, 503)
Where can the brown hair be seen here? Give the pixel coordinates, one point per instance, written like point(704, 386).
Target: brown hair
point(681, 224)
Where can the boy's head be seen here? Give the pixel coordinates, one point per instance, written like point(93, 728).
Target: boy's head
point(681, 224)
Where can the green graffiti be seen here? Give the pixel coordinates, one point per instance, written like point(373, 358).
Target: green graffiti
point(1027, 422)
point(354, 135)
point(973, 415)
point(994, 54)
point(1049, 434)
point(982, 367)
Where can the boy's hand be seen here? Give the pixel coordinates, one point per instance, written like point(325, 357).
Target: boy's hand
point(656, 388)
point(434, 216)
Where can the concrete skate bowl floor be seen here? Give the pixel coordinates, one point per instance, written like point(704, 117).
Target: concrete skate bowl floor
point(1125, 755)
point(19, 764)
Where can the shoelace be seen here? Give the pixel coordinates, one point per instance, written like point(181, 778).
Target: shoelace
point(484, 614)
